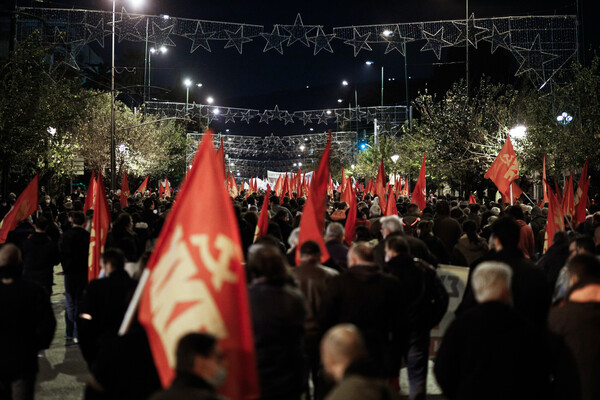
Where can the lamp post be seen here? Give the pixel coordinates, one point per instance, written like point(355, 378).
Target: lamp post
point(187, 82)
point(371, 63)
point(153, 50)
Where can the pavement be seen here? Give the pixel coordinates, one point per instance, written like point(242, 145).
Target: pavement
point(64, 373)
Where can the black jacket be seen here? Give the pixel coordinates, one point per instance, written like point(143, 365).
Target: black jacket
point(491, 353)
point(40, 255)
point(74, 249)
point(375, 303)
point(28, 326)
point(106, 301)
point(189, 387)
point(278, 320)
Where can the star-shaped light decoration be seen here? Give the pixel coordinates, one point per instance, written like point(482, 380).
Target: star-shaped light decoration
point(287, 118)
point(340, 117)
point(95, 33)
point(200, 38)
point(276, 113)
point(359, 41)
point(264, 117)
point(371, 115)
point(229, 116)
point(246, 116)
point(476, 33)
point(236, 39)
point(435, 42)
point(361, 114)
point(306, 118)
point(160, 36)
point(497, 39)
point(323, 118)
point(321, 41)
point(127, 27)
point(274, 40)
point(298, 32)
point(534, 58)
point(395, 41)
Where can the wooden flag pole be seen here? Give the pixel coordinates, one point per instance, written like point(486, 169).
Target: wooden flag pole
point(134, 303)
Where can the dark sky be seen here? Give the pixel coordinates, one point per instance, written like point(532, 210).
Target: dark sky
point(261, 80)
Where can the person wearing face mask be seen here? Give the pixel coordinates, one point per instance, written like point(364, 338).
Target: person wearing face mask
point(201, 368)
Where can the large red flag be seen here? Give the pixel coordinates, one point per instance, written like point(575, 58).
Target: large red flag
point(581, 196)
point(568, 203)
point(161, 190)
point(286, 188)
point(420, 191)
point(232, 187)
point(390, 208)
point(89, 198)
point(556, 219)
point(197, 282)
point(505, 167)
point(351, 217)
point(516, 193)
point(167, 188)
point(313, 214)
point(380, 187)
point(99, 231)
point(559, 194)
point(124, 190)
point(406, 189)
point(144, 185)
point(262, 227)
point(26, 204)
point(347, 194)
point(544, 179)
point(278, 186)
point(343, 184)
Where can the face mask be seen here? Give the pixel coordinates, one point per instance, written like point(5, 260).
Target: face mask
point(219, 377)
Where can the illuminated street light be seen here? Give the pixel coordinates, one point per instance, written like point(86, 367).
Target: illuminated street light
point(564, 118)
point(387, 32)
point(302, 147)
point(210, 100)
point(345, 83)
point(340, 100)
point(299, 164)
point(518, 132)
point(395, 158)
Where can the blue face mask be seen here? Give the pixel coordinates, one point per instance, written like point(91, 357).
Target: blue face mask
point(218, 379)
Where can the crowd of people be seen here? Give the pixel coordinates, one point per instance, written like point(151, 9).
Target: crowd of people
point(528, 326)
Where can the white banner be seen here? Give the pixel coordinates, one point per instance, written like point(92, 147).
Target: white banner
point(272, 177)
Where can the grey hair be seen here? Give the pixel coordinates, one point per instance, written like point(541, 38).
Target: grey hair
point(375, 211)
point(393, 223)
point(293, 238)
point(335, 230)
point(489, 280)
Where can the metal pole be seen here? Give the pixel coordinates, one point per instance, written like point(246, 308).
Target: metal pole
point(382, 86)
point(467, 44)
point(145, 61)
point(406, 75)
point(112, 104)
point(356, 110)
point(187, 100)
point(149, 78)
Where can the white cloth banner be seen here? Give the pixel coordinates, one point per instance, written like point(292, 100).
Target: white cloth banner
point(272, 177)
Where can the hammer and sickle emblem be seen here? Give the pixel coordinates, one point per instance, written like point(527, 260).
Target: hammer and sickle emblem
point(219, 267)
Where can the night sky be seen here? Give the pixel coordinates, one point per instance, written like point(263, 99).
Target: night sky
point(262, 80)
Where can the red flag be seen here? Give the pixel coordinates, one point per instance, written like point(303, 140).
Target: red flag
point(99, 231)
point(167, 188)
point(347, 194)
point(26, 204)
point(250, 188)
point(286, 188)
point(144, 185)
point(380, 187)
point(197, 282)
point(351, 218)
point(278, 186)
point(232, 187)
point(329, 187)
point(124, 191)
point(313, 215)
point(89, 198)
point(161, 190)
point(516, 193)
point(472, 198)
point(568, 203)
point(406, 190)
point(505, 167)
point(581, 196)
point(262, 226)
point(343, 184)
point(545, 179)
point(556, 219)
point(390, 208)
point(420, 191)
point(558, 193)
point(298, 181)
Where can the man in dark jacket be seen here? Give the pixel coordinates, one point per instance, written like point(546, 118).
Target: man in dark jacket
point(40, 255)
point(415, 283)
point(201, 369)
point(446, 228)
point(104, 304)
point(74, 248)
point(529, 286)
point(372, 301)
point(577, 322)
point(312, 278)
point(28, 326)
point(491, 351)
point(334, 241)
point(392, 226)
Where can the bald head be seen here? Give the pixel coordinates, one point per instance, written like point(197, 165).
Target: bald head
point(360, 253)
point(340, 346)
point(10, 261)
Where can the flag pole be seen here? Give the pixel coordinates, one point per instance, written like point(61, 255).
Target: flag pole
point(134, 303)
point(511, 195)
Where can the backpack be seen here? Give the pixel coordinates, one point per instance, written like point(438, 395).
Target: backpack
point(432, 302)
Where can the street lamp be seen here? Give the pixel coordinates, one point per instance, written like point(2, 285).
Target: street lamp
point(372, 63)
point(153, 50)
point(564, 118)
point(518, 132)
point(113, 161)
point(395, 158)
point(210, 100)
